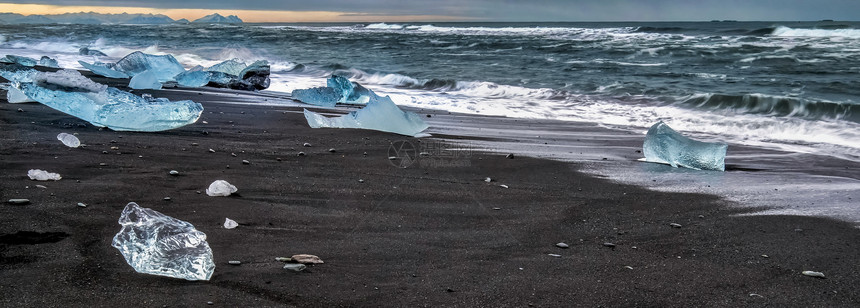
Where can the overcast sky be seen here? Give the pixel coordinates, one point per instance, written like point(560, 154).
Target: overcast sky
point(530, 10)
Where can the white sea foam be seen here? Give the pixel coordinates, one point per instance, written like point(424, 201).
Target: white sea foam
point(791, 32)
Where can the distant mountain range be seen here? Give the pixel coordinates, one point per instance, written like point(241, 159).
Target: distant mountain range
point(93, 18)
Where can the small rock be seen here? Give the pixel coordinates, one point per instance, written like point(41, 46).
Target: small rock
point(104, 152)
point(233, 154)
point(554, 255)
point(503, 186)
point(496, 208)
point(509, 156)
point(211, 151)
point(296, 267)
point(102, 164)
point(675, 225)
point(234, 262)
point(306, 259)
point(449, 290)
point(608, 244)
point(114, 148)
point(488, 180)
point(194, 144)
point(756, 295)
point(41, 186)
point(210, 303)
point(306, 145)
point(813, 274)
point(230, 224)
point(360, 181)
point(765, 256)
point(19, 201)
point(166, 198)
point(392, 157)
point(332, 150)
point(301, 154)
point(283, 259)
point(81, 204)
point(245, 162)
point(174, 172)
point(20, 110)
point(562, 245)
point(278, 159)
point(365, 154)
point(628, 267)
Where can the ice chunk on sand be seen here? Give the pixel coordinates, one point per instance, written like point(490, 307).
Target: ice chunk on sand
point(157, 244)
point(221, 188)
point(322, 96)
point(91, 52)
point(69, 140)
point(193, 79)
point(15, 96)
point(25, 61)
point(233, 67)
point(379, 115)
point(48, 62)
point(165, 67)
point(665, 145)
point(103, 69)
point(42, 175)
point(254, 77)
point(69, 92)
point(145, 80)
point(230, 224)
point(341, 85)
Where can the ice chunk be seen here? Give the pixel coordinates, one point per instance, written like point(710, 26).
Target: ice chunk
point(221, 188)
point(353, 93)
point(254, 77)
point(15, 96)
point(103, 69)
point(341, 85)
point(193, 79)
point(157, 244)
point(665, 145)
point(230, 224)
point(220, 79)
point(25, 61)
point(233, 67)
point(145, 80)
point(42, 175)
point(322, 96)
point(48, 62)
point(378, 115)
point(91, 52)
point(69, 140)
point(165, 67)
point(69, 92)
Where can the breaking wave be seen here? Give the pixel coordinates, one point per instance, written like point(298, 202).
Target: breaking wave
point(781, 106)
point(791, 32)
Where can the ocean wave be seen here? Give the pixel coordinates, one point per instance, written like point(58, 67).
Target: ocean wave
point(791, 32)
point(773, 105)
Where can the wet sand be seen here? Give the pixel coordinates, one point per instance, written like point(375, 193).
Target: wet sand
point(432, 234)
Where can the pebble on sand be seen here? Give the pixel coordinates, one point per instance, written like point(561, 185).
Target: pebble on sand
point(19, 201)
point(174, 172)
point(245, 162)
point(503, 186)
point(813, 274)
point(307, 145)
point(608, 244)
point(296, 267)
point(554, 255)
point(234, 262)
point(562, 245)
point(675, 225)
point(81, 204)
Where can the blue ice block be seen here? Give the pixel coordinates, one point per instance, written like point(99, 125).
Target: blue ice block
point(379, 115)
point(165, 67)
point(665, 145)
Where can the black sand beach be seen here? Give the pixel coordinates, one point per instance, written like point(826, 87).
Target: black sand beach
point(426, 235)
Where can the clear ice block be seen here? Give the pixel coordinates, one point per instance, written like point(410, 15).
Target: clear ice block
point(665, 145)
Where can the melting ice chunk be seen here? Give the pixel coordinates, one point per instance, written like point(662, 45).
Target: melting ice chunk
point(165, 67)
point(193, 79)
point(221, 188)
point(15, 96)
point(25, 61)
point(42, 175)
point(379, 115)
point(68, 91)
point(48, 62)
point(157, 244)
point(254, 77)
point(69, 140)
point(322, 96)
point(665, 145)
point(145, 80)
point(102, 69)
point(233, 67)
point(230, 224)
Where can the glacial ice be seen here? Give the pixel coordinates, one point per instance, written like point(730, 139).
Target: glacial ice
point(322, 96)
point(342, 85)
point(230, 224)
point(665, 145)
point(165, 67)
point(103, 69)
point(15, 96)
point(25, 61)
point(254, 77)
point(157, 244)
point(233, 67)
point(69, 140)
point(193, 79)
point(48, 62)
point(145, 80)
point(42, 175)
point(70, 92)
point(91, 52)
point(221, 188)
point(377, 115)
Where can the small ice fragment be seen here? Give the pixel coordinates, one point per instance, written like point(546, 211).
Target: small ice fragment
point(91, 52)
point(554, 255)
point(42, 175)
point(234, 262)
point(69, 140)
point(233, 67)
point(165, 67)
point(562, 245)
point(488, 180)
point(813, 274)
point(25, 61)
point(145, 80)
point(15, 96)
point(19, 201)
point(41, 186)
point(103, 69)
point(174, 172)
point(675, 225)
point(323, 96)
point(48, 62)
point(306, 259)
point(296, 267)
point(382, 115)
point(81, 204)
point(230, 224)
point(664, 145)
point(157, 244)
point(220, 188)
point(503, 186)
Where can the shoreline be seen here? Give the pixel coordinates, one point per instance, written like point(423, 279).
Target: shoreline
point(426, 236)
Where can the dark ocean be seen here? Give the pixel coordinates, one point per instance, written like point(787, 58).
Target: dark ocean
point(792, 86)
